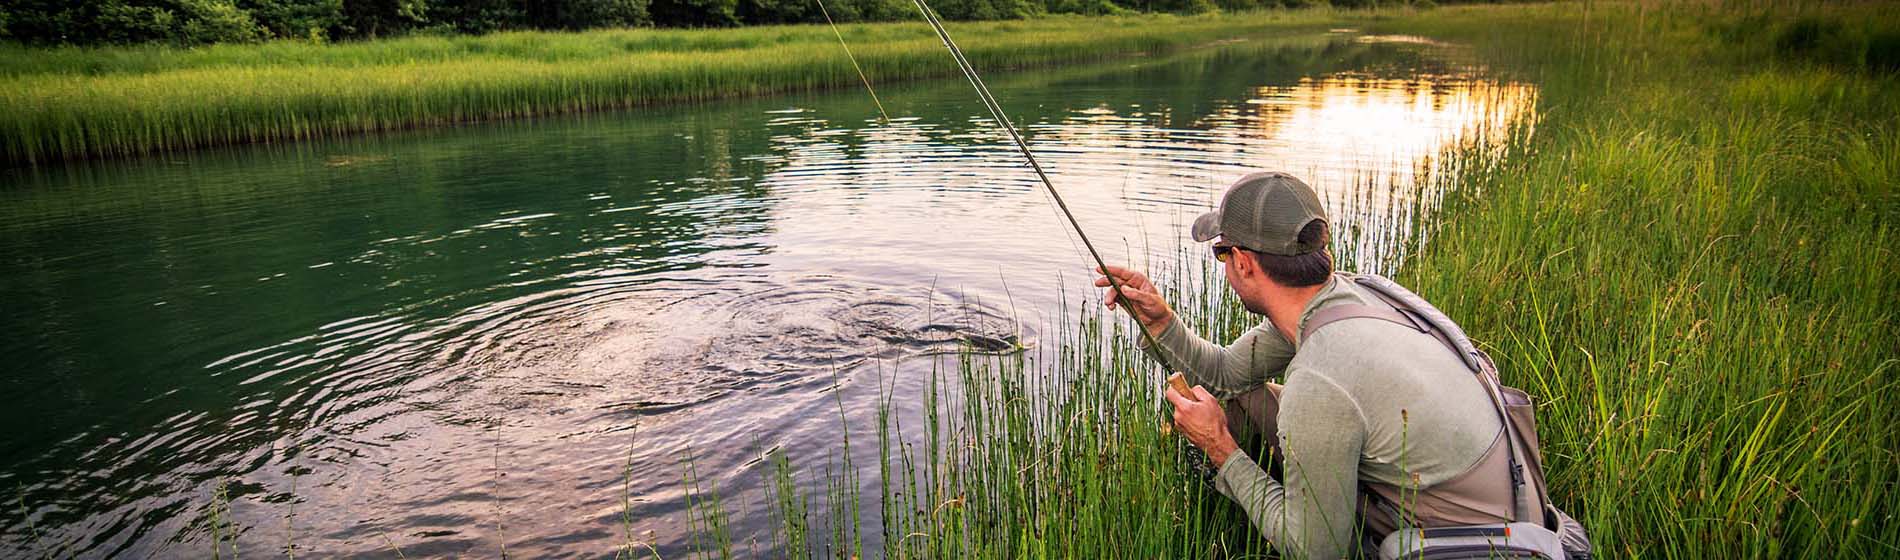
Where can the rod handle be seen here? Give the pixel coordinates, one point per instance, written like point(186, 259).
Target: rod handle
point(1180, 385)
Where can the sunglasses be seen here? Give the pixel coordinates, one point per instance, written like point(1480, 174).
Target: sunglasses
point(1223, 252)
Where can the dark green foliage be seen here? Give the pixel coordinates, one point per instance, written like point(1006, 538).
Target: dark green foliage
point(378, 18)
point(583, 14)
point(788, 11)
point(984, 9)
point(1883, 50)
point(1087, 7)
point(477, 16)
point(309, 19)
point(486, 16)
point(695, 13)
point(213, 21)
point(186, 22)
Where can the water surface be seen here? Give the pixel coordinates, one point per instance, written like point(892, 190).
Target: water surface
point(512, 334)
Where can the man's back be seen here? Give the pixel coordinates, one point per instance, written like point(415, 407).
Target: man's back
point(1423, 411)
point(1365, 400)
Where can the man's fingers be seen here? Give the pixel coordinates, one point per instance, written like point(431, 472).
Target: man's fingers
point(1201, 393)
point(1122, 275)
point(1141, 299)
point(1175, 398)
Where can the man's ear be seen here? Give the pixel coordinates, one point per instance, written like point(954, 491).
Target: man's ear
point(1245, 263)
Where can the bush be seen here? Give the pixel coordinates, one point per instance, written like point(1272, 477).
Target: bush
point(214, 21)
point(295, 18)
point(120, 23)
point(1883, 50)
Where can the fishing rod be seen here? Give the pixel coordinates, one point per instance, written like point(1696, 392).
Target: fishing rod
point(996, 112)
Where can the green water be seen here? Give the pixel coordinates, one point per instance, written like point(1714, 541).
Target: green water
point(454, 339)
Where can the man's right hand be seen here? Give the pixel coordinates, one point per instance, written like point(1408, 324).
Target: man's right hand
point(1141, 298)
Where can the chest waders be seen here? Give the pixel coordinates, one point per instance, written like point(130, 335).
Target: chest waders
point(1500, 507)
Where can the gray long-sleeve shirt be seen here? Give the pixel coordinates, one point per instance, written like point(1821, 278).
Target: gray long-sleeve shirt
point(1364, 400)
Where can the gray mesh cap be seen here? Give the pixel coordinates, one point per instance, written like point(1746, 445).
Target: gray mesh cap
point(1264, 212)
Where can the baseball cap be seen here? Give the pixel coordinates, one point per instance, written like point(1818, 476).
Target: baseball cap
point(1264, 212)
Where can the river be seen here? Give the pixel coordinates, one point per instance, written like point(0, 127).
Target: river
point(463, 339)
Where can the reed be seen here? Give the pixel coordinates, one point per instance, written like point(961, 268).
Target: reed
point(65, 103)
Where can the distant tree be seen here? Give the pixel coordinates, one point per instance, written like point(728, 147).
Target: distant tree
point(189, 22)
point(125, 23)
point(1243, 5)
point(213, 21)
point(585, 14)
point(1089, 7)
point(754, 12)
point(478, 16)
point(377, 18)
point(311, 19)
point(695, 13)
point(985, 9)
point(873, 10)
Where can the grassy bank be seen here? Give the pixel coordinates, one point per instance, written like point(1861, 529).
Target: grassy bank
point(1692, 262)
point(1689, 260)
point(65, 103)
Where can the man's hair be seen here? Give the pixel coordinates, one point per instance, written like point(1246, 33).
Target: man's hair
point(1310, 269)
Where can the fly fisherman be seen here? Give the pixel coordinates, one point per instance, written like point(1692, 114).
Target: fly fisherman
point(1377, 422)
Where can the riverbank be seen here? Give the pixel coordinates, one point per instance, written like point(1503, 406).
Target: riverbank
point(1691, 263)
point(1686, 257)
point(69, 103)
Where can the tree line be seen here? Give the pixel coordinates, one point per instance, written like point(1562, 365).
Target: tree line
point(198, 22)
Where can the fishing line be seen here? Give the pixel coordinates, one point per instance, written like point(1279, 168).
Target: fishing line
point(854, 61)
point(996, 112)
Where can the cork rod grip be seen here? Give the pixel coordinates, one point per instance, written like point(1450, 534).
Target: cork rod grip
point(1180, 385)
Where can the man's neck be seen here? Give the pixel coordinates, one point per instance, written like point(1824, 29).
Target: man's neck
point(1285, 305)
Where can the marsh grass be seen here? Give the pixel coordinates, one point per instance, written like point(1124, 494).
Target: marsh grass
point(66, 103)
point(1691, 263)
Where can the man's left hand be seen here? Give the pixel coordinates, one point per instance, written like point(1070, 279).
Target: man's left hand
point(1204, 424)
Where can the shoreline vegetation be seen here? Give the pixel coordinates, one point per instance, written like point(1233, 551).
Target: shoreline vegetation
point(1686, 257)
point(87, 102)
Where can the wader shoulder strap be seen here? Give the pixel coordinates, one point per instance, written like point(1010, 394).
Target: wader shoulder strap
point(1329, 315)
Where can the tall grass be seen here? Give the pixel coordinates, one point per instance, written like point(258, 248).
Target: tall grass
point(1690, 263)
point(66, 103)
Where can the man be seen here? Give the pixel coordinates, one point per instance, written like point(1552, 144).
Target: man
point(1366, 404)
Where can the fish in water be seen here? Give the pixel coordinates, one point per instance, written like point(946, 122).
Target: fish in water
point(1004, 344)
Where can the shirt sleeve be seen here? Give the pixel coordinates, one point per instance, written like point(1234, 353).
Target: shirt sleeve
point(1311, 514)
point(1258, 354)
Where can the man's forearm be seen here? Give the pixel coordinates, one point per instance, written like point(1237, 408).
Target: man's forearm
point(1227, 371)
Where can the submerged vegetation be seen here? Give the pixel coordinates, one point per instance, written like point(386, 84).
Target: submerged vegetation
point(1689, 261)
point(67, 103)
